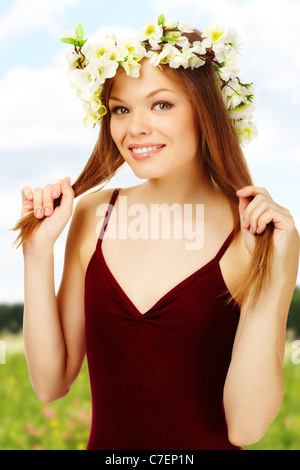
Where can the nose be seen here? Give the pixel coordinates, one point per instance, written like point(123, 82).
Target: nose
point(138, 124)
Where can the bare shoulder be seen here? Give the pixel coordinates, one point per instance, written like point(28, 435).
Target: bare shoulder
point(86, 221)
point(89, 202)
point(235, 263)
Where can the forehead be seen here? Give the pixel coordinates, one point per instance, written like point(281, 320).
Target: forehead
point(151, 77)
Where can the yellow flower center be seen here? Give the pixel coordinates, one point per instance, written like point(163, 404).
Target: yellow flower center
point(216, 35)
point(150, 30)
point(100, 52)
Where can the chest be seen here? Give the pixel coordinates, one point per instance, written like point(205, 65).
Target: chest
point(147, 270)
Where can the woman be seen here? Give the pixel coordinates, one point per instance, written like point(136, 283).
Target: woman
point(185, 347)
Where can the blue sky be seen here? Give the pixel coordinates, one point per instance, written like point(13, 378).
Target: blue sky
point(41, 133)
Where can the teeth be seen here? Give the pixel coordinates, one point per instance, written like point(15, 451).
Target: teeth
point(144, 149)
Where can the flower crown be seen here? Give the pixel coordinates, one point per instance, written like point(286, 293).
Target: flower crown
point(162, 42)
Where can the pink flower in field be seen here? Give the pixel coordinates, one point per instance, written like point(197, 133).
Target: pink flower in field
point(37, 447)
point(85, 417)
point(48, 413)
point(30, 429)
point(68, 436)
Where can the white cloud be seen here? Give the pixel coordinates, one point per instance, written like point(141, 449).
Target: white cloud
point(38, 108)
point(29, 15)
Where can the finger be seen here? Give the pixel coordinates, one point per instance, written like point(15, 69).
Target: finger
point(254, 210)
point(253, 191)
point(48, 200)
point(27, 194)
point(243, 204)
point(38, 203)
point(56, 191)
point(67, 195)
point(264, 220)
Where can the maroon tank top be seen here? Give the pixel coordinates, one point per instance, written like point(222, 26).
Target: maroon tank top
point(157, 378)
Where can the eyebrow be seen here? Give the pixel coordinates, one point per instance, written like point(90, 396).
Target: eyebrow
point(154, 92)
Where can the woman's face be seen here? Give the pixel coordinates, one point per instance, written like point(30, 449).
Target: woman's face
point(152, 123)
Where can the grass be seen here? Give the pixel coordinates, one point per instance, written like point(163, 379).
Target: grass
point(27, 424)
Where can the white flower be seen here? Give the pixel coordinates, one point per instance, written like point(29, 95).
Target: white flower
point(129, 48)
point(70, 34)
point(82, 80)
point(233, 94)
point(72, 61)
point(166, 56)
point(196, 48)
point(246, 130)
point(102, 69)
point(186, 27)
point(169, 23)
point(244, 110)
point(226, 73)
point(96, 101)
point(131, 67)
point(195, 62)
point(153, 32)
point(92, 116)
point(105, 49)
point(234, 40)
point(95, 63)
point(183, 60)
point(215, 37)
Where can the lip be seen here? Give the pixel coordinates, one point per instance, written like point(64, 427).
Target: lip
point(145, 155)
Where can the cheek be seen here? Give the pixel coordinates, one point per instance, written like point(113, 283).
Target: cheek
point(117, 133)
point(114, 132)
point(184, 132)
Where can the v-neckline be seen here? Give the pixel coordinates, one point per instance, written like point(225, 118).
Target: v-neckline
point(180, 285)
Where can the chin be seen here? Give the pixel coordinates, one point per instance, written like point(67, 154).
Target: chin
point(146, 172)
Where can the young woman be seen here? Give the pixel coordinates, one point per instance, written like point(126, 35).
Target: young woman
point(184, 347)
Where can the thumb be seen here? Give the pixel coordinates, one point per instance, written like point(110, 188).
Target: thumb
point(67, 196)
point(243, 204)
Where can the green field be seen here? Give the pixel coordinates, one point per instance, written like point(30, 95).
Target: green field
point(64, 425)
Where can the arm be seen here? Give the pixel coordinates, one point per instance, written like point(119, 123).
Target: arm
point(254, 385)
point(53, 326)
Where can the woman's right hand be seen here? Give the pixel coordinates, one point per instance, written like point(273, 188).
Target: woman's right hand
point(41, 202)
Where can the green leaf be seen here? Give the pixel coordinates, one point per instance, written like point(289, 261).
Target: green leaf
point(161, 20)
point(164, 38)
point(72, 41)
point(82, 43)
point(79, 32)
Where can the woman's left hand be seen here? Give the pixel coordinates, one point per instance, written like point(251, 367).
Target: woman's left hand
point(257, 209)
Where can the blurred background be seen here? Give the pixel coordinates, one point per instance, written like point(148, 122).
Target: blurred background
point(42, 139)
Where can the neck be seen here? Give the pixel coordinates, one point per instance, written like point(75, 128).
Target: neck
point(181, 186)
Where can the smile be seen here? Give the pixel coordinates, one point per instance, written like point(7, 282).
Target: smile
point(141, 153)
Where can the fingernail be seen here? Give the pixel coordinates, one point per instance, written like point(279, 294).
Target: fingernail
point(245, 223)
point(39, 213)
point(69, 181)
point(47, 211)
point(55, 193)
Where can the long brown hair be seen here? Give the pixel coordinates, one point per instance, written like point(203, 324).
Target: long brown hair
point(221, 156)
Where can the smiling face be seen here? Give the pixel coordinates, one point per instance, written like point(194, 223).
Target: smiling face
point(152, 123)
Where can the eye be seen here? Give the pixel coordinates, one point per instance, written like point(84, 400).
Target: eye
point(119, 110)
point(162, 106)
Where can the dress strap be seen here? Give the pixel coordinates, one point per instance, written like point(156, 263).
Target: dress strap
point(224, 246)
point(109, 211)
